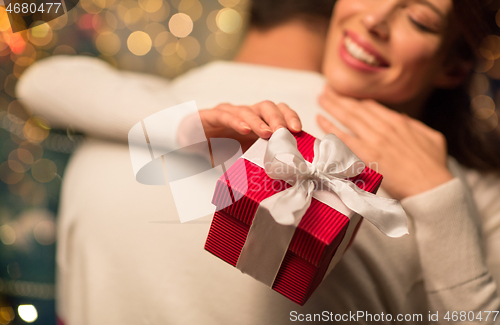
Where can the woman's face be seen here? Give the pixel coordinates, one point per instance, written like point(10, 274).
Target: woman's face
point(387, 50)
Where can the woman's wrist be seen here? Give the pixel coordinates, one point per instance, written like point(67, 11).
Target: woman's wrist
point(422, 186)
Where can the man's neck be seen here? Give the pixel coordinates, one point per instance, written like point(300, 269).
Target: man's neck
point(293, 45)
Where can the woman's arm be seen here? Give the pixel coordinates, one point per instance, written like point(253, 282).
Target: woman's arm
point(412, 158)
point(451, 248)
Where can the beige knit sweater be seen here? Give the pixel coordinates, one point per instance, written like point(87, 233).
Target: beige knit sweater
point(124, 259)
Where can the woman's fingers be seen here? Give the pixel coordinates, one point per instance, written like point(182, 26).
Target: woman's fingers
point(245, 118)
point(291, 117)
point(367, 119)
point(262, 119)
point(216, 119)
point(271, 114)
point(427, 134)
point(348, 116)
point(360, 109)
point(329, 127)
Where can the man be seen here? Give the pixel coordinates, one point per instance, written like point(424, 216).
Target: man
point(123, 258)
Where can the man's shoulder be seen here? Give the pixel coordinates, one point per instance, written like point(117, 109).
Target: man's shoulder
point(233, 73)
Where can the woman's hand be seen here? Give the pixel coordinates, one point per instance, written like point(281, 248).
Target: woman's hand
point(247, 123)
point(410, 155)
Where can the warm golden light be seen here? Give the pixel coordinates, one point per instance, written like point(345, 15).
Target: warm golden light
point(45, 232)
point(229, 20)
point(180, 25)
point(482, 101)
point(229, 3)
point(36, 129)
point(139, 43)
point(40, 35)
point(150, 5)
point(192, 8)
point(190, 47)
point(108, 43)
point(480, 85)
point(490, 47)
point(44, 170)
point(7, 235)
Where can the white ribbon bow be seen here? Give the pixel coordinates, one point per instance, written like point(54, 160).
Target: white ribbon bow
point(333, 163)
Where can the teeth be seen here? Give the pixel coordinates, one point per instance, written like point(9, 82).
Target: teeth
point(359, 53)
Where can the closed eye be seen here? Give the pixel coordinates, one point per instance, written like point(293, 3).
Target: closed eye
point(420, 26)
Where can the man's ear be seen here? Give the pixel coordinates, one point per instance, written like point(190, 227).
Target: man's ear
point(453, 73)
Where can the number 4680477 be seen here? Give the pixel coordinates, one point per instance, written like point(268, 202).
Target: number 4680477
point(32, 7)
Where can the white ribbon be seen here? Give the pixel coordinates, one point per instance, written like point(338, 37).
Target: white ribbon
point(333, 163)
point(277, 217)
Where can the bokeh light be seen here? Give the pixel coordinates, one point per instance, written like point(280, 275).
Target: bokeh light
point(8, 176)
point(27, 313)
point(484, 65)
point(108, 43)
point(6, 315)
point(480, 85)
point(213, 47)
point(45, 232)
point(190, 48)
point(44, 170)
point(40, 35)
point(229, 3)
point(7, 235)
point(139, 43)
point(36, 129)
point(135, 19)
point(229, 20)
point(212, 21)
point(161, 14)
point(490, 47)
point(192, 8)
point(150, 5)
point(180, 25)
point(154, 29)
point(64, 50)
point(482, 101)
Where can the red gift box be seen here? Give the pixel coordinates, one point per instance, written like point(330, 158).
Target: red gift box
point(316, 239)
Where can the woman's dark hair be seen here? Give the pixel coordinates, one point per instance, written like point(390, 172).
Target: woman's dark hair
point(266, 14)
point(449, 111)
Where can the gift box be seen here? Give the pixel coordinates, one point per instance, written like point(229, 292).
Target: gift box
point(300, 252)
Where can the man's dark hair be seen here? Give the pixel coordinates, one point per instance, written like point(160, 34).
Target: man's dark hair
point(266, 14)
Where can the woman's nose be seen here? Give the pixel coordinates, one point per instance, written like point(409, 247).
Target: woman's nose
point(377, 18)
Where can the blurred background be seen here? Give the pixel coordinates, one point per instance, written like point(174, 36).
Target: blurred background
point(160, 37)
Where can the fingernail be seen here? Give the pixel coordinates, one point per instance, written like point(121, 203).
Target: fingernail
point(295, 124)
point(245, 126)
point(266, 127)
point(279, 127)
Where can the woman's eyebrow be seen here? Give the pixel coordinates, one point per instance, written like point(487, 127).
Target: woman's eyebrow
point(433, 7)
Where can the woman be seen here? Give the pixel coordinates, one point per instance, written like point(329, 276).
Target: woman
point(397, 71)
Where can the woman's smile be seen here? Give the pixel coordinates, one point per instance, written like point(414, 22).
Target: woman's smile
point(359, 54)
